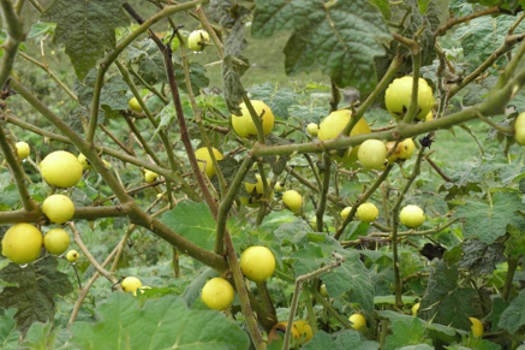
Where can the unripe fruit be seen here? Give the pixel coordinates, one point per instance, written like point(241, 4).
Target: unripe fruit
point(22, 243)
point(198, 39)
point(399, 94)
point(367, 212)
point(305, 331)
point(22, 150)
point(56, 241)
point(257, 263)
point(292, 200)
point(84, 161)
point(205, 162)
point(130, 284)
point(412, 216)
point(135, 105)
point(72, 255)
point(358, 321)
point(150, 176)
point(218, 294)
point(519, 129)
point(405, 149)
point(61, 169)
point(372, 154)
point(58, 208)
point(279, 186)
point(415, 309)
point(323, 290)
point(243, 125)
point(258, 187)
point(477, 327)
point(312, 129)
point(344, 213)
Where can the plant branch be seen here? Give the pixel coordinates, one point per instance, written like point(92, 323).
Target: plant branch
point(451, 22)
point(321, 205)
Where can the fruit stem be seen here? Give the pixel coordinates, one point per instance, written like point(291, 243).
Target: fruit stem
point(321, 205)
point(513, 263)
point(326, 305)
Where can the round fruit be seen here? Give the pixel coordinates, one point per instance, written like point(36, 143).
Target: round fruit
point(257, 263)
point(477, 327)
point(519, 129)
point(84, 161)
point(292, 200)
point(218, 294)
point(412, 216)
point(279, 186)
point(372, 154)
point(399, 93)
point(130, 284)
point(305, 331)
point(198, 39)
point(72, 255)
point(405, 149)
point(358, 321)
point(58, 208)
point(243, 125)
point(323, 290)
point(312, 129)
point(22, 150)
point(22, 243)
point(61, 169)
point(258, 187)
point(56, 241)
point(205, 162)
point(415, 309)
point(367, 212)
point(150, 176)
point(344, 213)
point(279, 329)
point(135, 105)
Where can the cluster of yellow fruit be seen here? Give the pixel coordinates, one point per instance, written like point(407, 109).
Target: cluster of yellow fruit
point(301, 331)
point(257, 264)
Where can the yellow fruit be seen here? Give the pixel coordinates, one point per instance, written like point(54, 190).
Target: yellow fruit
point(279, 186)
point(323, 290)
point(22, 243)
point(84, 161)
point(412, 216)
point(243, 125)
point(72, 255)
point(358, 321)
point(405, 149)
point(56, 241)
point(293, 200)
point(257, 263)
point(477, 327)
point(519, 129)
point(218, 294)
point(205, 162)
point(150, 176)
point(305, 331)
point(344, 213)
point(399, 93)
point(22, 150)
point(58, 208)
point(258, 187)
point(198, 39)
point(135, 105)
point(372, 154)
point(367, 212)
point(429, 117)
point(415, 309)
point(312, 129)
point(279, 329)
point(61, 169)
point(334, 123)
point(130, 284)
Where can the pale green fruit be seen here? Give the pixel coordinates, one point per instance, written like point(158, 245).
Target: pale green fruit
point(399, 93)
point(292, 200)
point(367, 212)
point(56, 241)
point(243, 125)
point(519, 129)
point(312, 129)
point(198, 39)
point(58, 208)
point(218, 294)
point(72, 255)
point(372, 154)
point(22, 150)
point(22, 243)
point(412, 216)
point(257, 263)
point(61, 169)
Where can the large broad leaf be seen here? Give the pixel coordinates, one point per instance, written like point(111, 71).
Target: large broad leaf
point(86, 28)
point(164, 323)
point(8, 333)
point(339, 37)
point(514, 316)
point(193, 221)
point(488, 220)
point(348, 339)
point(36, 286)
point(408, 333)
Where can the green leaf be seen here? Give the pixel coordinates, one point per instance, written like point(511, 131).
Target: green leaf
point(279, 100)
point(408, 333)
point(41, 28)
point(339, 37)
point(86, 28)
point(384, 7)
point(45, 336)
point(348, 339)
point(37, 285)
point(193, 221)
point(445, 301)
point(8, 333)
point(514, 316)
point(481, 258)
point(164, 323)
point(488, 221)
